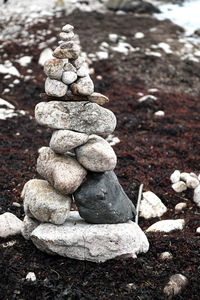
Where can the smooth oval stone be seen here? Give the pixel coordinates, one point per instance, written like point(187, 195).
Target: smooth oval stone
point(81, 116)
point(66, 36)
point(53, 68)
point(55, 88)
point(68, 50)
point(68, 28)
point(64, 173)
point(69, 77)
point(101, 200)
point(96, 155)
point(44, 203)
point(83, 71)
point(65, 140)
point(98, 98)
point(83, 86)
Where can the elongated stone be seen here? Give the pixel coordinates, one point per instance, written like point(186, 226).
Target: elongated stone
point(83, 86)
point(65, 140)
point(44, 203)
point(55, 88)
point(101, 200)
point(96, 155)
point(82, 116)
point(98, 98)
point(53, 68)
point(64, 173)
point(68, 50)
point(98, 243)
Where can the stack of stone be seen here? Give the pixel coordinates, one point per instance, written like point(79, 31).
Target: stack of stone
point(78, 164)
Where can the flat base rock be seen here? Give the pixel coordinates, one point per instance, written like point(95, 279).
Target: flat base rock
point(98, 243)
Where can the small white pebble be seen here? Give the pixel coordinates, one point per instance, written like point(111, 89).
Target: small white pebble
point(139, 35)
point(166, 255)
point(184, 176)
point(8, 76)
point(16, 81)
point(180, 206)
point(99, 77)
point(16, 204)
point(31, 276)
point(147, 97)
point(113, 37)
point(192, 182)
point(179, 186)
point(159, 113)
point(6, 91)
point(198, 230)
point(175, 176)
point(176, 283)
point(153, 90)
point(68, 28)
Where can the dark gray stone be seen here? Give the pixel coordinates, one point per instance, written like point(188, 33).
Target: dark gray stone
point(101, 200)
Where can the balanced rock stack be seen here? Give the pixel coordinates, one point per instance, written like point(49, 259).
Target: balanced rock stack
point(78, 165)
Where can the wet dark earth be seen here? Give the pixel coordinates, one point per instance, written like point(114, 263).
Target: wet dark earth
point(150, 149)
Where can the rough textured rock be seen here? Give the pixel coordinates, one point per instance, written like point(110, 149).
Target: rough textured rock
point(167, 225)
point(80, 116)
point(83, 86)
point(83, 71)
point(151, 206)
point(101, 199)
point(175, 285)
point(53, 68)
point(55, 88)
point(175, 176)
point(29, 224)
point(98, 98)
point(192, 182)
point(64, 173)
point(196, 197)
point(9, 225)
point(69, 77)
point(78, 240)
point(44, 203)
point(78, 62)
point(65, 140)
point(69, 67)
point(165, 255)
point(96, 155)
point(68, 50)
point(179, 186)
point(180, 206)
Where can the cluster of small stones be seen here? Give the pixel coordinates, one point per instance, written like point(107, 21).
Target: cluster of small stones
point(182, 181)
point(78, 165)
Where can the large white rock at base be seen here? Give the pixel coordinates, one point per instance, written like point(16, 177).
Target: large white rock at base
point(79, 240)
point(167, 225)
point(196, 197)
point(28, 226)
point(151, 206)
point(9, 225)
point(44, 203)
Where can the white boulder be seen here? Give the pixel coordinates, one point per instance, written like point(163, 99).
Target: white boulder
point(151, 206)
point(79, 240)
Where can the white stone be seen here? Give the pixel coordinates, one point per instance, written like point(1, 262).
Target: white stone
point(31, 276)
point(68, 28)
point(159, 113)
point(24, 61)
point(64, 173)
point(196, 197)
point(55, 88)
point(139, 35)
point(166, 255)
point(98, 243)
point(151, 206)
point(29, 224)
point(179, 186)
point(96, 155)
point(192, 182)
point(113, 37)
point(45, 55)
point(78, 62)
point(83, 86)
point(102, 55)
point(198, 230)
point(184, 176)
point(175, 176)
point(9, 225)
point(147, 97)
point(69, 67)
point(66, 36)
point(175, 285)
point(68, 50)
point(167, 225)
point(66, 140)
point(9, 69)
point(83, 71)
point(53, 68)
point(69, 77)
point(180, 206)
point(193, 175)
point(44, 203)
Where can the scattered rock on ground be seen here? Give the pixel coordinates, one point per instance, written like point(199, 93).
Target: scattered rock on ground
point(175, 176)
point(167, 225)
point(179, 186)
point(151, 206)
point(166, 255)
point(175, 285)
point(192, 182)
point(31, 276)
point(196, 196)
point(9, 225)
point(180, 206)
point(78, 240)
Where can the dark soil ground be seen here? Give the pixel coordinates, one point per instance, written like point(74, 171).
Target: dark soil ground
point(151, 148)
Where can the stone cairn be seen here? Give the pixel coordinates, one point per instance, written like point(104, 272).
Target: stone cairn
point(78, 165)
